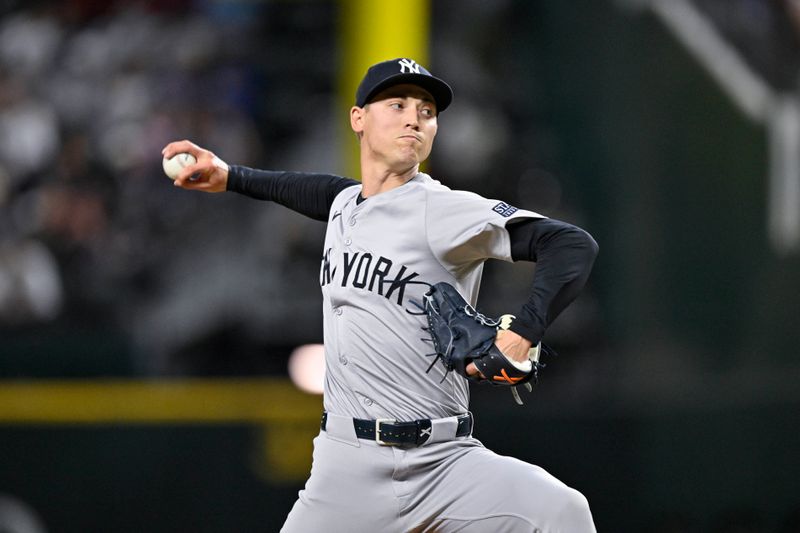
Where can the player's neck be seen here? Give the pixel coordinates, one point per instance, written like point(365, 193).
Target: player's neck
point(378, 179)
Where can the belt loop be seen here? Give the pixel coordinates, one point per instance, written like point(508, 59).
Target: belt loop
point(443, 429)
point(340, 428)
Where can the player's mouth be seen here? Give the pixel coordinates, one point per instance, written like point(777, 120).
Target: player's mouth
point(411, 137)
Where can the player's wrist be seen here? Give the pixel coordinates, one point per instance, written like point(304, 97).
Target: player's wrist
point(528, 331)
point(514, 347)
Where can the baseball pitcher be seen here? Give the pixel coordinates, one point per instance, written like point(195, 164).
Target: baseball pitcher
point(400, 271)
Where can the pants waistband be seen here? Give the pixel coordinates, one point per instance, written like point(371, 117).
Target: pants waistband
point(388, 432)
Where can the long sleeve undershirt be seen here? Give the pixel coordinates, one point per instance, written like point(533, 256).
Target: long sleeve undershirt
point(307, 193)
point(564, 254)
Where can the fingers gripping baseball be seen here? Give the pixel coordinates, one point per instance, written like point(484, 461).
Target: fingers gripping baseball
point(208, 174)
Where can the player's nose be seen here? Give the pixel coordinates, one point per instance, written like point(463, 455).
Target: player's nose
point(411, 117)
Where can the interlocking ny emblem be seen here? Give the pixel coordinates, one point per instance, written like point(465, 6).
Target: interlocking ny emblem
point(409, 64)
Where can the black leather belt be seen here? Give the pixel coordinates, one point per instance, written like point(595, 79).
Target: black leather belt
point(390, 432)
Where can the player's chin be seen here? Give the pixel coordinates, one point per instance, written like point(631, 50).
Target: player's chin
point(408, 158)
point(416, 154)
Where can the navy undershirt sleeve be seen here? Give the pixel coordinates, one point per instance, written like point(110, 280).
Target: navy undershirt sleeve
point(307, 193)
point(564, 256)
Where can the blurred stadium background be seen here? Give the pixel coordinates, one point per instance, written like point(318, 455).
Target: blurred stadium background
point(145, 331)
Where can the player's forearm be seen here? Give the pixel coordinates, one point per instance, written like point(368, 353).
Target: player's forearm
point(307, 193)
point(564, 256)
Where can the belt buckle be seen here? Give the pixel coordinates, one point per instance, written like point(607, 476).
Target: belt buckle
point(378, 422)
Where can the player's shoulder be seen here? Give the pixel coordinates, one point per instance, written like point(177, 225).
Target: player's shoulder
point(346, 194)
point(436, 191)
point(442, 199)
point(437, 188)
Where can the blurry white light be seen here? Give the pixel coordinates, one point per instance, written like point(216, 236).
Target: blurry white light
point(307, 368)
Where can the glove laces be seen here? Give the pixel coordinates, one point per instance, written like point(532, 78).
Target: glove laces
point(480, 317)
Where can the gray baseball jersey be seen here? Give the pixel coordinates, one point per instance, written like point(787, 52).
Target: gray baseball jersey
point(380, 255)
point(378, 258)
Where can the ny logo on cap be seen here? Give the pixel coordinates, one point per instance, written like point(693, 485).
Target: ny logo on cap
point(409, 64)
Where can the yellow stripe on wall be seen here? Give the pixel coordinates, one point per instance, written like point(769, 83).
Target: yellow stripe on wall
point(183, 401)
point(372, 31)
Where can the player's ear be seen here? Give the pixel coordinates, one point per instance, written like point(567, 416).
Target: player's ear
point(357, 118)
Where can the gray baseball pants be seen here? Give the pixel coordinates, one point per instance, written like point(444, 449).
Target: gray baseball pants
point(359, 486)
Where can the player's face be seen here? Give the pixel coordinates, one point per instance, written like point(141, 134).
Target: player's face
point(398, 126)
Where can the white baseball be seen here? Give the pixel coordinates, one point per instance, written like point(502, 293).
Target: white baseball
point(173, 165)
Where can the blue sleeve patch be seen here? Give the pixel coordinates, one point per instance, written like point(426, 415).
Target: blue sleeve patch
point(504, 209)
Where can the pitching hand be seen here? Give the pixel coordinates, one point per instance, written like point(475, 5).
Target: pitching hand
point(209, 174)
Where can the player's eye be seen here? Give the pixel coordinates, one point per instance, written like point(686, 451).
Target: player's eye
point(428, 112)
point(396, 105)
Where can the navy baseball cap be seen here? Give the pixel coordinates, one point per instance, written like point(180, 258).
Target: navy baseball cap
point(402, 70)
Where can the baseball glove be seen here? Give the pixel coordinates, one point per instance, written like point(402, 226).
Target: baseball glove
point(461, 335)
